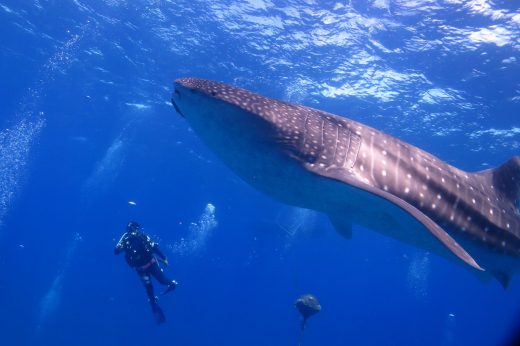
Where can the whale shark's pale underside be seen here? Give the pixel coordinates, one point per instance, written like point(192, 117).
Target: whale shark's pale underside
point(359, 175)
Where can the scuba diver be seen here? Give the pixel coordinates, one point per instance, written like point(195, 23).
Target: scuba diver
point(142, 254)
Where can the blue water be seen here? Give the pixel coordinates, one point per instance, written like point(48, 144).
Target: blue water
point(89, 141)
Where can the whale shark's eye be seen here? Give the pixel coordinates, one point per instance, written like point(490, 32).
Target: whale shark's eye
point(213, 93)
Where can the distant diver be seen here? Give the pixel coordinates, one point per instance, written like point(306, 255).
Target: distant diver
point(307, 305)
point(140, 254)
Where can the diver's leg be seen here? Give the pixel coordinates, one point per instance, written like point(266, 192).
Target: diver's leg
point(152, 299)
point(147, 282)
point(158, 273)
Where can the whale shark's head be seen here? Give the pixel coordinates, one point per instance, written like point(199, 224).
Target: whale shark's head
point(233, 120)
point(201, 100)
point(257, 137)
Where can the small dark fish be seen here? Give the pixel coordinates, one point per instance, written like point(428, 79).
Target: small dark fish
point(308, 306)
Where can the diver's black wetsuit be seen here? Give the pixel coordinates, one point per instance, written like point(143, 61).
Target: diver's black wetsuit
point(140, 253)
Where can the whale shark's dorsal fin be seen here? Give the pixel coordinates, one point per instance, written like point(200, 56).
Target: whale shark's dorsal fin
point(506, 180)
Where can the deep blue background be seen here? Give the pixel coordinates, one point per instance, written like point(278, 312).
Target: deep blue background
point(86, 127)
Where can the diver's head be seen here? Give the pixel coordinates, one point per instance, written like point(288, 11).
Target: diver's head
point(133, 227)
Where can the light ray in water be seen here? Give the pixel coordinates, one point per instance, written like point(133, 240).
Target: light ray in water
point(294, 221)
point(51, 301)
point(107, 169)
point(448, 336)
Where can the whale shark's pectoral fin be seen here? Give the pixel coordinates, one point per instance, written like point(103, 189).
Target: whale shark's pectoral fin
point(342, 227)
point(438, 232)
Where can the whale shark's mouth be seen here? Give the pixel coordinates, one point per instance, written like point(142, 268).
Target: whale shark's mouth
point(176, 94)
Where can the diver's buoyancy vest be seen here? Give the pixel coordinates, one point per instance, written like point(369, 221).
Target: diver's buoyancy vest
point(138, 250)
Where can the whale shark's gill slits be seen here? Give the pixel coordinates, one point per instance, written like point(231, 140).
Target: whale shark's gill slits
point(322, 133)
point(311, 142)
point(344, 139)
point(305, 129)
point(353, 150)
point(371, 155)
point(330, 142)
point(397, 183)
point(336, 147)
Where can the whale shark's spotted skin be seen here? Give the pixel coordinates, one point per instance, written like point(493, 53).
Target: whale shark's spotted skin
point(479, 210)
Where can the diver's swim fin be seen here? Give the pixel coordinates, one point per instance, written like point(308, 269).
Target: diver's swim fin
point(158, 314)
point(170, 287)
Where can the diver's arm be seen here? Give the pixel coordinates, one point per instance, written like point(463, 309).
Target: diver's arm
point(119, 246)
point(159, 253)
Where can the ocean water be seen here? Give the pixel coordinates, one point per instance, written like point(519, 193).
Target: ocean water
point(89, 140)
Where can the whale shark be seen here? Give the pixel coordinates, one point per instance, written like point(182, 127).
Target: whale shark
point(356, 174)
